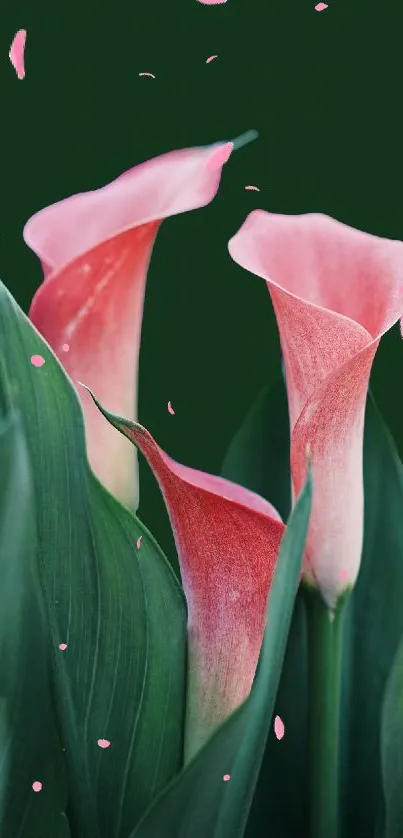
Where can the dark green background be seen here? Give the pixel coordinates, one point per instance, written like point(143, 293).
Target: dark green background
point(324, 90)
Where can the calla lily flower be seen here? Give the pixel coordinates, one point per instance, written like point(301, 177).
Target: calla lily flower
point(95, 249)
point(335, 292)
point(227, 540)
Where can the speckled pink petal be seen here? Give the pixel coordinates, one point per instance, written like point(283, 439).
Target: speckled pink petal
point(95, 249)
point(227, 540)
point(279, 728)
point(335, 292)
point(16, 53)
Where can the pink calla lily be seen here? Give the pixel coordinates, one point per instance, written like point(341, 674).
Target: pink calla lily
point(335, 292)
point(95, 249)
point(228, 540)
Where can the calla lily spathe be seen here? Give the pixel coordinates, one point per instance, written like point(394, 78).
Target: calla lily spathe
point(95, 249)
point(335, 292)
point(228, 541)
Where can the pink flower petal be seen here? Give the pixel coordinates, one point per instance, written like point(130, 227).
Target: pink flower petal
point(212, 2)
point(103, 743)
point(170, 409)
point(335, 292)
point(63, 646)
point(138, 542)
point(95, 249)
point(151, 75)
point(253, 188)
point(279, 728)
point(37, 786)
point(16, 53)
point(226, 777)
point(321, 6)
point(37, 360)
point(227, 540)
point(211, 58)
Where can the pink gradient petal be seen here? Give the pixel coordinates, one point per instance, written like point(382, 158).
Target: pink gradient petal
point(227, 540)
point(103, 743)
point(335, 292)
point(95, 249)
point(252, 188)
point(226, 777)
point(212, 2)
point(37, 360)
point(37, 785)
point(170, 409)
point(16, 53)
point(320, 7)
point(63, 646)
point(279, 728)
point(211, 58)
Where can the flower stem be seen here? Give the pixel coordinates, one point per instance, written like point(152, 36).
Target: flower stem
point(324, 666)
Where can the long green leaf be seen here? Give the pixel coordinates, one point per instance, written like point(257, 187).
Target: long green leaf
point(374, 630)
point(392, 748)
point(29, 747)
point(119, 608)
point(199, 803)
point(258, 458)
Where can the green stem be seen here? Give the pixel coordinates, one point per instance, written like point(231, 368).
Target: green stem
point(324, 662)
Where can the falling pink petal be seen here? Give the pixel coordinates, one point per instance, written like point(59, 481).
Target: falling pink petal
point(151, 75)
point(103, 743)
point(320, 7)
point(279, 727)
point(212, 57)
point(16, 53)
point(63, 646)
point(65, 347)
point(138, 542)
point(37, 785)
point(211, 2)
point(170, 409)
point(253, 188)
point(226, 777)
point(37, 360)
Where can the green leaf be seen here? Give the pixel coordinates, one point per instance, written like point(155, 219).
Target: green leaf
point(119, 609)
point(29, 746)
point(258, 458)
point(392, 748)
point(199, 802)
point(374, 630)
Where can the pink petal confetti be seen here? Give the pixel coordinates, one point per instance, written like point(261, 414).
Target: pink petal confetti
point(138, 542)
point(279, 727)
point(211, 58)
point(320, 7)
point(211, 2)
point(65, 347)
point(151, 75)
point(226, 777)
point(37, 785)
point(37, 360)
point(103, 743)
point(63, 646)
point(16, 53)
point(170, 409)
point(253, 188)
